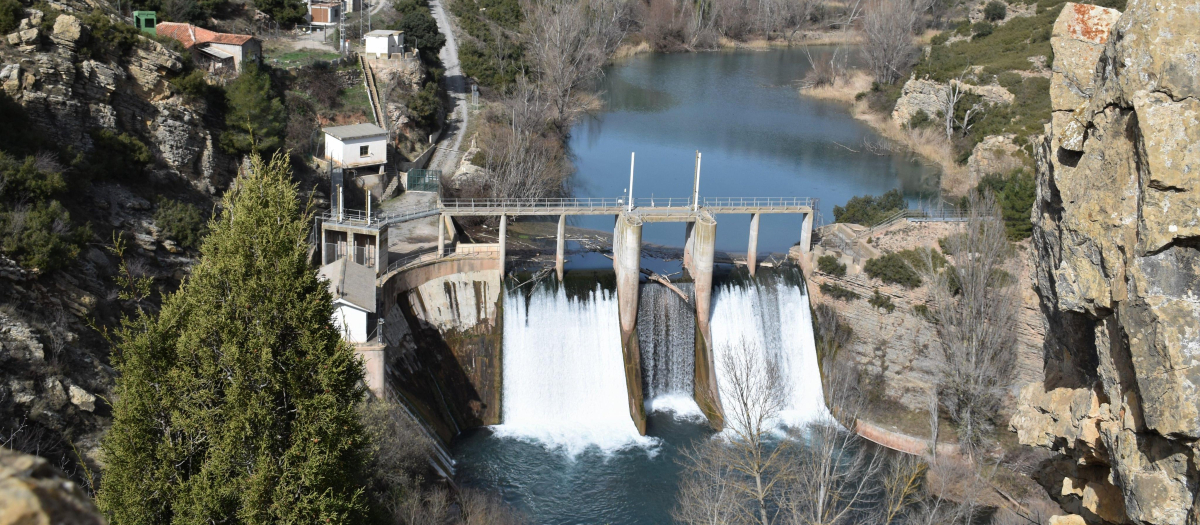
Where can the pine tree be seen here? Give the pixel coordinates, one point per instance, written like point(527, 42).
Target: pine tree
point(236, 403)
point(256, 119)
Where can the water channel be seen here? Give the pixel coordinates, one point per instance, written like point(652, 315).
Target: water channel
point(567, 451)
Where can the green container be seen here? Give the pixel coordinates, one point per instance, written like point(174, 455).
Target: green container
point(145, 21)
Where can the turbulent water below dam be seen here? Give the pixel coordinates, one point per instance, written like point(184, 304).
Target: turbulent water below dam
point(567, 450)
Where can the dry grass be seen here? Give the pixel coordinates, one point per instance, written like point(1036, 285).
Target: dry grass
point(628, 50)
point(842, 90)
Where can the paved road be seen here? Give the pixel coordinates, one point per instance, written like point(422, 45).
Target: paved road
point(446, 158)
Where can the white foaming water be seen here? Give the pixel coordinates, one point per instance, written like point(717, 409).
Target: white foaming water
point(681, 405)
point(774, 320)
point(564, 375)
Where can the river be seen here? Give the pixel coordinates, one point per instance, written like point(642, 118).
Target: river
point(758, 138)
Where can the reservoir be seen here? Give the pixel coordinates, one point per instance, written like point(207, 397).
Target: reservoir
point(567, 451)
point(758, 137)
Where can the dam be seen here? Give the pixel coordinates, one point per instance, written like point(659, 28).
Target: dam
point(525, 383)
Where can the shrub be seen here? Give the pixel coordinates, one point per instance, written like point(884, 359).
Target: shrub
point(868, 210)
point(940, 38)
point(424, 105)
point(11, 13)
point(923, 312)
point(120, 156)
point(285, 12)
point(995, 11)
point(838, 292)
point(194, 86)
point(420, 29)
point(920, 259)
point(830, 265)
point(982, 29)
point(181, 222)
point(40, 235)
point(882, 302)
point(108, 38)
point(1015, 194)
point(921, 119)
point(893, 268)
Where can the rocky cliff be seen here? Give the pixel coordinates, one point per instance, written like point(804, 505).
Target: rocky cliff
point(1117, 241)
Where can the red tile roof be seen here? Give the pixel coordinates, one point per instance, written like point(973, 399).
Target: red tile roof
point(191, 35)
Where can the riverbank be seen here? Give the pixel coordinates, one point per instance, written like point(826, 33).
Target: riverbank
point(929, 143)
point(801, 38)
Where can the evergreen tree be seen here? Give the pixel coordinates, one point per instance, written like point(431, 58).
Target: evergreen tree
point(256, 118)
point(236, 403)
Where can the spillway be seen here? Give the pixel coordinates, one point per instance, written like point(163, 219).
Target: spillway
point(772, 318)
point(564, 377)
point(667, 338)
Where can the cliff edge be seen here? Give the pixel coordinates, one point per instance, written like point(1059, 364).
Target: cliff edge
point(1117, 259)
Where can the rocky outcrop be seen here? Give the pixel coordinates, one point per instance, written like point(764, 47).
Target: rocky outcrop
point(995, 154)
point(32, 492)
point(68, 97)
point(1117, 239)
point(929, 96)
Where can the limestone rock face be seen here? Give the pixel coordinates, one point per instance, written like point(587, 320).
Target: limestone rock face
point(32, 492)
point(1117, 241)
point(68, 97)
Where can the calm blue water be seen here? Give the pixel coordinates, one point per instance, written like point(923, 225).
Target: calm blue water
point(757, 135)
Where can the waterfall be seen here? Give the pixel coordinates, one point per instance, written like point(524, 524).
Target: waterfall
point(564, 375)
point(667, 338)
point(773, 319)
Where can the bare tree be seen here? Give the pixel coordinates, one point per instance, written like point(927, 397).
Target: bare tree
point(707, 487)
point(901, 483)
point(568, 42)
point(975, 317)
point(754, 396)
point(835, 476)
point(523, 156)
point(955, 93)
point(888, 27)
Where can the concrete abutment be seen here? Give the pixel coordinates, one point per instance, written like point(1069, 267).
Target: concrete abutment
point(627, 264)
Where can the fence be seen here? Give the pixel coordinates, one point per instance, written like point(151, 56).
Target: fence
point(423, 180)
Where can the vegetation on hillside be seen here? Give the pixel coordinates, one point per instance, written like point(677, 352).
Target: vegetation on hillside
point(492, 53)
point(420, 29)
point(870, 210)
point(256, 118)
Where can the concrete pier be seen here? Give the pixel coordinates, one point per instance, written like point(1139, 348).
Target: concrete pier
point(627, 264)
point(700, 250)
point(558, 257)
point(503, 228)
point(441, 226)
point(752, 251)
point(806, 233)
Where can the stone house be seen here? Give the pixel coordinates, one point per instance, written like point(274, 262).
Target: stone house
point(213, 51)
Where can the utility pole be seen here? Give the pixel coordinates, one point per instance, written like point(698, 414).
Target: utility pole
point(696, 185)
point(630, 203)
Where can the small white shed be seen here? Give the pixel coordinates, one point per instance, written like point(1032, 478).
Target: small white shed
point(356, 146)
point(382, 43)
point(353, 289)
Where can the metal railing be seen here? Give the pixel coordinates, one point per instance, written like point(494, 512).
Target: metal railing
point(796, 203)
point(518, 204)
point(359, 217)
point(619, 203)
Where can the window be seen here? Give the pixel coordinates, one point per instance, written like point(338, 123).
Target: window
point(364, 151)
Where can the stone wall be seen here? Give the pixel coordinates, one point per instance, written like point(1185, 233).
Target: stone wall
point(1117, 240)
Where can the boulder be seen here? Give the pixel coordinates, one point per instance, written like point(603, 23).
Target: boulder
point(919, 95)
point(82, 399)
point(1069, 519)
point(32, 492)
point(68, 32)
point(995, 154)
